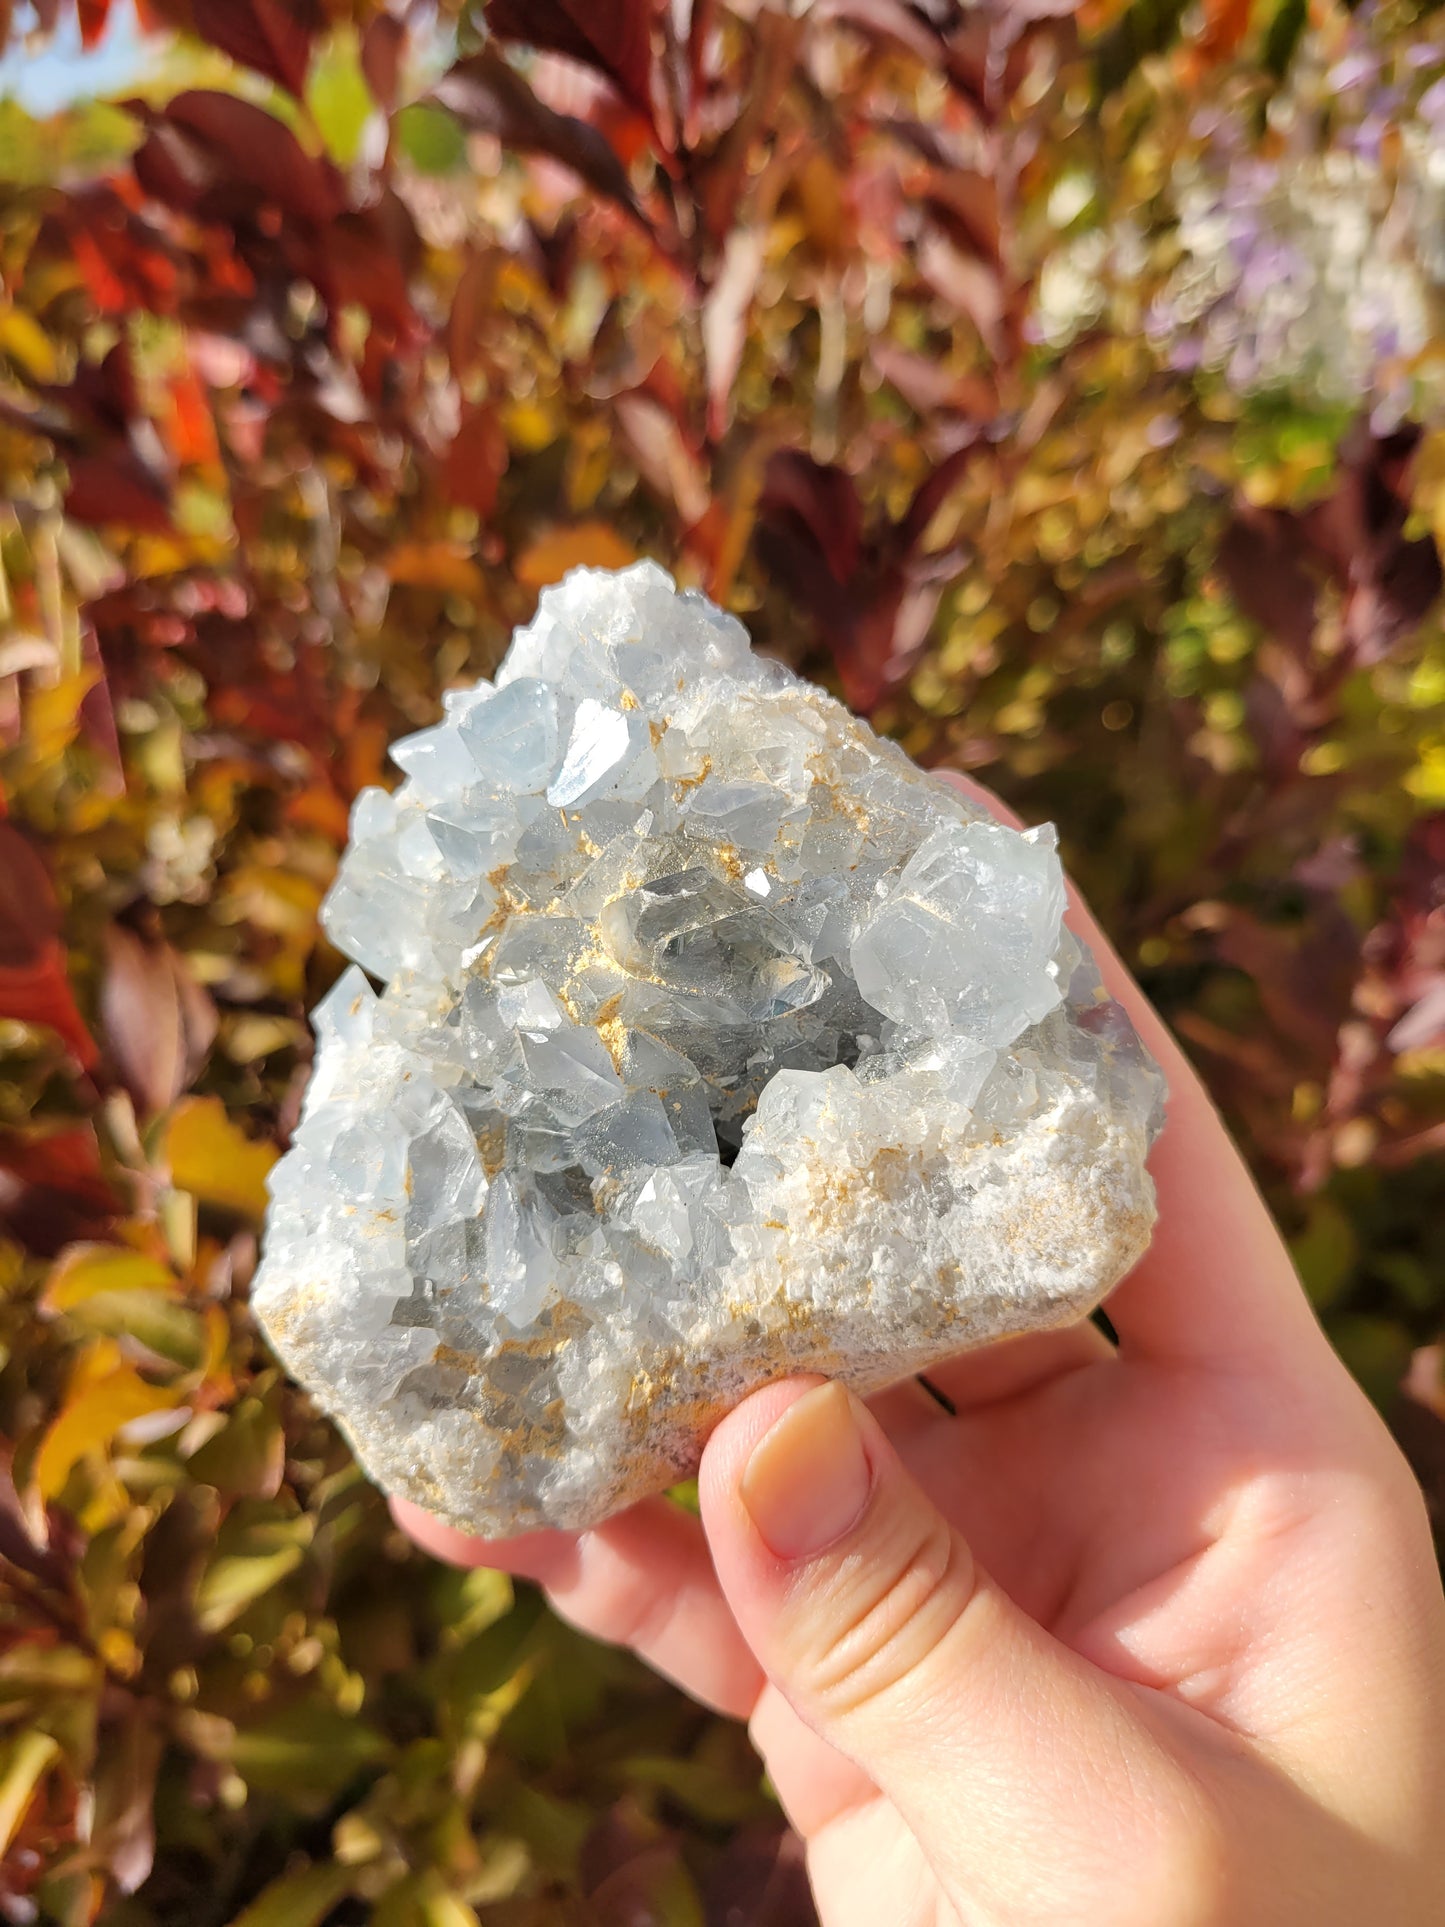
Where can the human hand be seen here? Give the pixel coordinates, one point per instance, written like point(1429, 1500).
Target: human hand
point(1139, 1637)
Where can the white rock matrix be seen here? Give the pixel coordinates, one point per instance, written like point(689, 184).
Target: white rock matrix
point(718, 1042)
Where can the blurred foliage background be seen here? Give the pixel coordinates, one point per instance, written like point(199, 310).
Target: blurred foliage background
point(1060, 382)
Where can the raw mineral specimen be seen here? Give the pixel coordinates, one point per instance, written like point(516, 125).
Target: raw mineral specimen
point(718, 1042)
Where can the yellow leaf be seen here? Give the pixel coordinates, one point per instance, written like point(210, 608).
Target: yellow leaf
point(24, 340)
point(52, 713)
point(96, 1409)
point(445, 1910)
point(590, 545)
point(1427, 780)
point(86, 1269)
point(24, 1766)
point(529, 427)
point(214, 1160)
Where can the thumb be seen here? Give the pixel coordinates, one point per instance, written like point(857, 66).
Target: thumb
point(869, 1613)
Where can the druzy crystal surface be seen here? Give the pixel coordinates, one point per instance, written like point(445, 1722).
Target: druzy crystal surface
point(717, 1041)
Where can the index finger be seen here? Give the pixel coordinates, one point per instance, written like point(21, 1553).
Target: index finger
point(1216, 1285)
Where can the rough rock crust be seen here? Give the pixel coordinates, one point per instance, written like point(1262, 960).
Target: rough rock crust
point(718, 1042)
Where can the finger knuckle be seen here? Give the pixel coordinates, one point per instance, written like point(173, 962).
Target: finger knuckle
point(886, 1618)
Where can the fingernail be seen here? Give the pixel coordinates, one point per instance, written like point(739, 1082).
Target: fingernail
point(808, 1479)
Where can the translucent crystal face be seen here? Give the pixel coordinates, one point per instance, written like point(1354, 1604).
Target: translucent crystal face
point(666, 934)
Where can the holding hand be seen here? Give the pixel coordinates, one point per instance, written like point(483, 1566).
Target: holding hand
point(1142, 1636)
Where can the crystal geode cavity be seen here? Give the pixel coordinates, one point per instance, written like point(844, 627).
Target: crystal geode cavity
point(718, 1041)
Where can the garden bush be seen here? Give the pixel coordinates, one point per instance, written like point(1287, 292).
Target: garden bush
point(1059, 383)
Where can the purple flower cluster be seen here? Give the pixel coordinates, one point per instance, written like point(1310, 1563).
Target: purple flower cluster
point(1311, 259)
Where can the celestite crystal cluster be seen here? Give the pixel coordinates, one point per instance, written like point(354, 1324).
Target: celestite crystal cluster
point(718, 1041)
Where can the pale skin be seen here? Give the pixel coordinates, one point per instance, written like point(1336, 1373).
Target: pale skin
point(1146, 1636)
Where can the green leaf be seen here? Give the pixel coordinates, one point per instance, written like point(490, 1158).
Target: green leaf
point(308, 1750)
point(1376, 1351)
point(246, 1458)
point(1285, 28)
point(553, 1829)
point(1325, 1252)
point(232, 1582)
point(476, 1600)
point(156, 1321)
point(300, 1899)
point(698, 1787)
point(338, 96)
point(433, 140)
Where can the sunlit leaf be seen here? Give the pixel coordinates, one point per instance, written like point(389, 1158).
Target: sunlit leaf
point(339, 97)
point(436, 565)
point(153, 1320)
point(24, 340)
point(23, 1765)
point(86, 1270)
point(104, 1396)
point(215, 1161)
point(584, 545)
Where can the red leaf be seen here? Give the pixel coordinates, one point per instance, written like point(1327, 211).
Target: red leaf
point(1262, 558)
point(1272, 558)
point(819, 505)
point(117, 488)
point(871, 603)
point(367, 258)
point(157, 1022)
point(699, 27)
point(612, 36)
point(473, 307)
point(476, 461)
point(965, 206)
point(34, 986)
point(92, 15)
point(126, 262)
point(382, 46)
point(211, 153)
point(489, 96)
point(272, 36)
point(29, 914)
point(1390, 582)
point(932, 492)
point(52, 1189)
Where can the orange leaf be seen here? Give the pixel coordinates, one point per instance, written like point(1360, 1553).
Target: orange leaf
point(192, 429)
point(319, 808)
point(435, 565)
point(585, 545)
